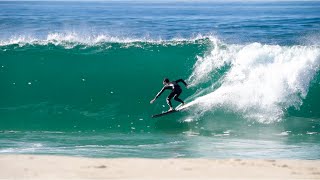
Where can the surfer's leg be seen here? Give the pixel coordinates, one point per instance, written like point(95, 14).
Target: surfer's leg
point(169, 99)
point(176, 97)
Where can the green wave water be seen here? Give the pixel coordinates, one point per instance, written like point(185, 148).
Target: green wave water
point(88, 87)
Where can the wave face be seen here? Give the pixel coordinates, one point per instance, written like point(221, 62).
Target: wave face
point(103, 84)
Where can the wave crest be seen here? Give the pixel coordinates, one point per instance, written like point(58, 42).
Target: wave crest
point(73, 39)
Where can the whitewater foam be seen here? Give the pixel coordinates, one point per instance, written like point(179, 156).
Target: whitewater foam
point(71, 39)
point(262, 82)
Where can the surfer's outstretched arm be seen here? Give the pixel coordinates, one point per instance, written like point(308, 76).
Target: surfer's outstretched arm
point(159, 93)
point(181, 80)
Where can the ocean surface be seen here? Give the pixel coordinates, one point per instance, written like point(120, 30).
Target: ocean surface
point(76, 78)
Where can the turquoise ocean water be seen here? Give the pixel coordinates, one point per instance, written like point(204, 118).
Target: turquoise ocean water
point(76, 78)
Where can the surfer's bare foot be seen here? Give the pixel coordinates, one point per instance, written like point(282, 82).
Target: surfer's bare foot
point(170, 109)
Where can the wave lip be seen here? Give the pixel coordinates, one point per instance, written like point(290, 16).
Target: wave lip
point(91, 40)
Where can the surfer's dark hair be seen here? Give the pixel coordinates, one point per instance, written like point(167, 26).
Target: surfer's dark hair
point(166, 80)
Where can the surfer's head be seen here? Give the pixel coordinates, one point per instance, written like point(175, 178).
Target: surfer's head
point(165, 81)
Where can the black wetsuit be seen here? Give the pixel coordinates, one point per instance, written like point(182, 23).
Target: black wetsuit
point(176, 91)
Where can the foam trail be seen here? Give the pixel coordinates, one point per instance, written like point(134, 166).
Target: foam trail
point(262, 82)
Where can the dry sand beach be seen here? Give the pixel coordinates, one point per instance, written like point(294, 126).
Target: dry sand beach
point(61, 167)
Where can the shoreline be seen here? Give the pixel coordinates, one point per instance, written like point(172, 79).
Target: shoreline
point(65, 167)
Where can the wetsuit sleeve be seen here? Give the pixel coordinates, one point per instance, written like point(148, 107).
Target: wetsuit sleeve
point(161, 91)
point(181, 80)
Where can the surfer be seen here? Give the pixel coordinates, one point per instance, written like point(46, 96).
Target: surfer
point(175, 93)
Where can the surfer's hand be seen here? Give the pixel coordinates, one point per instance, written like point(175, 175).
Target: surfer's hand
point(152, 101)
